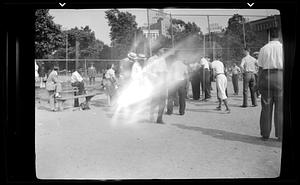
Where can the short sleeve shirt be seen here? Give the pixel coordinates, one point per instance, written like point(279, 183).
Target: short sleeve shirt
point(204, 63)
point(249, 64)
point(218, 66)
point(271, 56)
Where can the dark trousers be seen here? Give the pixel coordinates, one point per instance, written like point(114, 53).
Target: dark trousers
point(207, 84)
point(160, 102)
point(249, 82)
point(181, 90)
point(202, 80)
point(271, 89)
point(256, 80)
point(195, 82)
point(80, 86)
point(235, 83)
point(92, 80)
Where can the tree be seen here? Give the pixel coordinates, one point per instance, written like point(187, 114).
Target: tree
point(89, 47)
point(122, 29)
point(234, 38)
point(182, 30)
point(47, 34)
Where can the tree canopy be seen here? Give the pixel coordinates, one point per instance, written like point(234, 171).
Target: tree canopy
point(122, 30)
point(47, 34)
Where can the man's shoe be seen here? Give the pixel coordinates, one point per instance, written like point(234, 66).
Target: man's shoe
point(227, 111)
point(160, 122)
point(264, 138)
point(243, 106)
point(218, 108)
point(254, 105)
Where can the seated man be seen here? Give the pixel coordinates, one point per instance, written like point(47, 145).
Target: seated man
point(77, 81)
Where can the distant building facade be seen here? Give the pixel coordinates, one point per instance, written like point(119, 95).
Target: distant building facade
point(262, 27)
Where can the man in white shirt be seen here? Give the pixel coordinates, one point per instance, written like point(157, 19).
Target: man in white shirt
point(248, 67)
point(77, 81)
point(270, 80)
point(178, 82)
point(235, 78)
point(221, 82)
point(205, 78)
point(157, 70)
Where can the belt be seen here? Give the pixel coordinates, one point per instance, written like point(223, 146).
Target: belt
point(273, 70)
point(249, 72)
point(219, 74)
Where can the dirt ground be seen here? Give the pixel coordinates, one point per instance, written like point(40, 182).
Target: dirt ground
point(203, 143)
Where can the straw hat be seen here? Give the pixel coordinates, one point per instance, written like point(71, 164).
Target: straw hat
point(141, 56)
point(132, 56)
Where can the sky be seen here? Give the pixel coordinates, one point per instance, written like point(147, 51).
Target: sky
point(95, 18)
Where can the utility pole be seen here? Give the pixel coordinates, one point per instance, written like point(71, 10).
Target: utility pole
point(67, 52)
point(204, 45)
point(149, 39)
point(209, 36)
point(244, 32)
point(172, 36)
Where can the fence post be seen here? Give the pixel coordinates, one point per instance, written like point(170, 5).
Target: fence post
point(85, 71)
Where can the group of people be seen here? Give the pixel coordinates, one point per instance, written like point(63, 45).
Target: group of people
point(169, 76)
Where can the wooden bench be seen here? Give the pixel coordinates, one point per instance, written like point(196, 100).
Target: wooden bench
point(87, 97)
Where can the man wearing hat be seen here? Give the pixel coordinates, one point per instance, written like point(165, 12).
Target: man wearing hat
point(92, 74)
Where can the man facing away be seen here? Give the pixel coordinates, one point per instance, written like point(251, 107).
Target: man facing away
point(206, 78)
point(248, 67)
point(92, 74)
point(221, 82)
point(77, 81)
point(177, 83)
point(157, 72)
point(235, 78)
point(270, 80)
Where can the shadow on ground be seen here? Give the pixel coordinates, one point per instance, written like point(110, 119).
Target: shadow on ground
point(225, 135)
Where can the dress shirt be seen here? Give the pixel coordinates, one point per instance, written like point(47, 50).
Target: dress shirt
point(218, 67)
point(178, 71)
point(236, 70)
point(136, 71)
point(76, 77)
point(249, 64)
point(271, 56)
point(110, 73)
point(204, 63)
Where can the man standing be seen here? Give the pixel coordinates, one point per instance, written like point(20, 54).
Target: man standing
point(206, 78)
point(53, 86)
point(256, 75)
point(177, 84)
point(195, 80)
point(235, 78)
point(158, 76)
point(248, 66)
point(42, 75)
point(92, 74)
point(270, 79)
point(221, 82)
